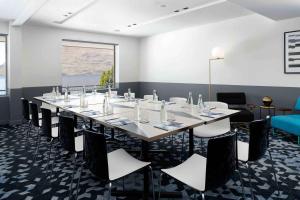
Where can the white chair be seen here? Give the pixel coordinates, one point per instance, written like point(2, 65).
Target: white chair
point(132, 95)
point(148, 97)
point(179, 100)
point(214, 129)
point(111, 166)
point(209, 173)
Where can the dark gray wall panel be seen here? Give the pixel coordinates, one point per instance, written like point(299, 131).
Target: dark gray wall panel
point(4, 110)
point(15, 106)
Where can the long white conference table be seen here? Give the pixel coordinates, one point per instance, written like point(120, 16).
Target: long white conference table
point(182, 117)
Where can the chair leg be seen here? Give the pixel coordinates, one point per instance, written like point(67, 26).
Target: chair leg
point(54, 160)
point(37, 146)
point(27, 133)
point(274, 172)
point(109, 191)
point(152, 180)
point(159, 185)
point(78, 182)
point(49, 156)
point(202, 195)
point(249, 176)
point(242, 183)
point(72, 177)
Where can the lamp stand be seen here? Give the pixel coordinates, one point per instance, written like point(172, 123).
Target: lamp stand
point(209, 76)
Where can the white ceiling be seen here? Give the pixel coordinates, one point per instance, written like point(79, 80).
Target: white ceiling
point(139, 17)
point(274, 9)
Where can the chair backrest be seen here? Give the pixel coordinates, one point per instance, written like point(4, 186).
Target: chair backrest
point(46, 122)
point(25, 109)
point(179, 100)
point(132, 94)
point(221, 161)
point(34, 114)
point(258, 140)
point(232, 98)
point(148, 97)
point(216, 104)
point(96, 154)
point(66, 133)
point(297, 106)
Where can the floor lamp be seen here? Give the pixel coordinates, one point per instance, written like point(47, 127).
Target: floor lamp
point(217, 53)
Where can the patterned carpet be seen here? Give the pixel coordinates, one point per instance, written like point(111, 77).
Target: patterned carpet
point(21, 179)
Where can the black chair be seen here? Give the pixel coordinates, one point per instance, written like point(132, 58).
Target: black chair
point(49, 131)
point(36, 123)
point(70, 141)
point(213, 171)
point(257, 146)
point(106, 166)
point(237, 100)
point(26, 117)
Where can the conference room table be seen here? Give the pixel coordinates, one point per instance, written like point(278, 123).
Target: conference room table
point(149, 128)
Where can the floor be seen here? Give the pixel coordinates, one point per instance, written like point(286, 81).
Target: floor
point(21, 179)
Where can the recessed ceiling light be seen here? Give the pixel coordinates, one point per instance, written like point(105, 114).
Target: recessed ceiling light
point(185, 8)
point(70, 13)
point(66, 15)
point(176, 11)
point(163, 5)
point(134, 24)
point(129, 25)
point(117, 30)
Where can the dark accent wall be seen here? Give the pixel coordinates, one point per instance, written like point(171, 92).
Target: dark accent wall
point(282, 96)
point(11, 109)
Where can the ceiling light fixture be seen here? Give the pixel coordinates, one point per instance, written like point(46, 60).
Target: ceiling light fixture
point(163, 5)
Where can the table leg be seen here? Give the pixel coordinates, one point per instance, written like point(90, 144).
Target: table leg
point(145, 149)
point(112, 134)
point(57, 110)
point(260, 113)
point(91, 124)
point(75, 121)
point(101, 128)
point(191, 141)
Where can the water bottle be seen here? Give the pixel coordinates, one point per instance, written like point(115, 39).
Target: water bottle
point(155, 97)
point(66, 94)
point(109, 91)
point(163, 111)
point(129, 94)
point(57, 91)
point(53, 94)
point(190, 99)
point(200, 102)
point(95, 90)
point(137, 110)
point(82, 100)
point(105, 104)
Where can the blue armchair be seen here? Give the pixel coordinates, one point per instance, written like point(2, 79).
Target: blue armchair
point(288, 123)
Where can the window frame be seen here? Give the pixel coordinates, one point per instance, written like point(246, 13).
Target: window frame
point(105, 43)
point(6, 61)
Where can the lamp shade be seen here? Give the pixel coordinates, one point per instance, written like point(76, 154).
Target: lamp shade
point(217, 53)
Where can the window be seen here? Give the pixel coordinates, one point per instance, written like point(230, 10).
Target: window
point(88, 63)
point(3, 64)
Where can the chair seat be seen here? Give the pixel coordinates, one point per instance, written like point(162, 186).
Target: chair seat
point(120, 164)
point(54, 120)
point(40, 116)
point(243, 116)
point(79, 143)
point(192, 172)
point(54, 132)
point(288, 123)
point(243, 151)
point(212, 130)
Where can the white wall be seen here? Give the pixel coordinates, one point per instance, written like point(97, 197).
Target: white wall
point(3, 27)
point(42, 51)
point(254, 53)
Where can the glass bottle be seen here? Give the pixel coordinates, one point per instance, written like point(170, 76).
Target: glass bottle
point(200, 102)
point(137, 110)
point(163, 111)
point(105, 104)
point(155, 97)
point(57, 91)
point(109, 91)
point(129, 94)
point(66, 96)
point(190, 99)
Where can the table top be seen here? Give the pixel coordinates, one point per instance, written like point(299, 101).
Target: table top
point(183, 116)
point(267, 107)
